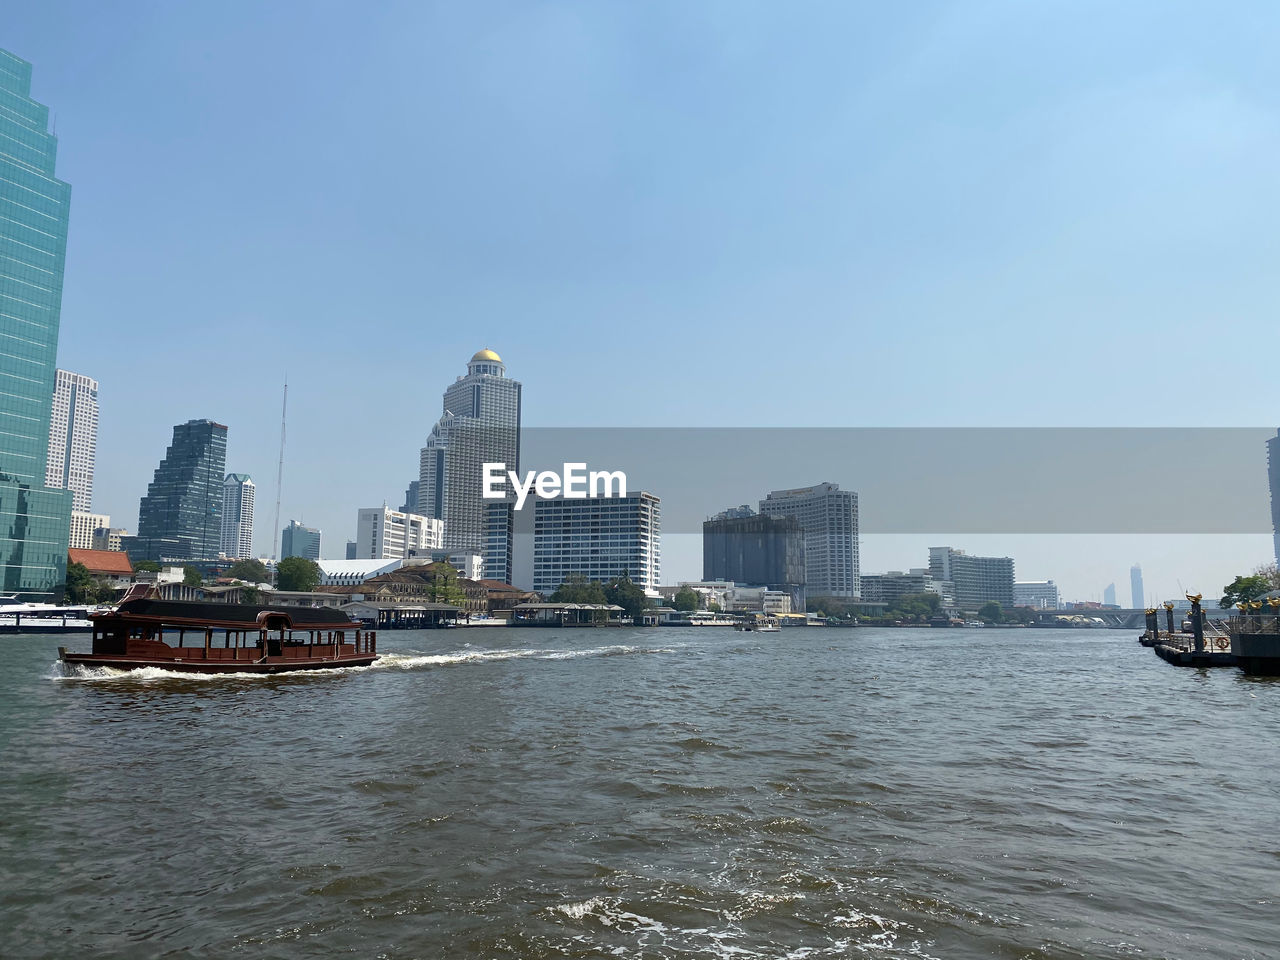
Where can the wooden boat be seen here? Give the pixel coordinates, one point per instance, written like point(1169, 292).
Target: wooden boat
point(224, 638)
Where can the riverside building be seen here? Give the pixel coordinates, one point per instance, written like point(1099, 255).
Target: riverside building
point(894, 585)
point(480, 424)
point(237, 516)
point(73, 438)
point(35, 519)
point(977, 580)
point(386, 534)
point(1037, 594)
point(829, 518)
point(599, 538)
point(180, 518)
point(299, 541)
point(750, 548)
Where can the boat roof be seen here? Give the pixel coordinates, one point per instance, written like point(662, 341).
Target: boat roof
point(241, 616)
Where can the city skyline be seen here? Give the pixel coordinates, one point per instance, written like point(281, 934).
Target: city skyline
point(1016, 180)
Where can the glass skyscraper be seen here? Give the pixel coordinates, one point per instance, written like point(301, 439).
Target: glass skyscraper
point(180, 518)
point(300, 541)
point(34, 209)
point(481, 424)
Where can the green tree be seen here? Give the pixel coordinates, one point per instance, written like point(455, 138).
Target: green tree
point(442, 584)
point(627, 595)
point(915, 606)
point(991, 612)
point(1245, 588)
point(685, 599)
point(148, 566)
point(297, 573)
point(576, 588)
point(83, 587)
point(250, 571)
point(191, 576)
point(250, 594)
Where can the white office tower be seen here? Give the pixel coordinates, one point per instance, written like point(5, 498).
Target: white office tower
point(237, 516)
point(829, 518)
point(480, 424)
point(83, 526)
point(386, 534)
point(978, 580)
point(599, 538)
point(73, 438)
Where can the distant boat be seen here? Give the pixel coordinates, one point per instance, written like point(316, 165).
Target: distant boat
point(760, 625)
point(19, 617)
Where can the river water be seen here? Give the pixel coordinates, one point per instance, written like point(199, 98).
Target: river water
point(647, 793)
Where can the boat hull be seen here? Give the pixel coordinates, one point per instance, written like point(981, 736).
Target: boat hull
point(183, 665)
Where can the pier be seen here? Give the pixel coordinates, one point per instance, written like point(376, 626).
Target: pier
point(1195, 649)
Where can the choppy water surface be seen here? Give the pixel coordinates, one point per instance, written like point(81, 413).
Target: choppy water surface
point(648, 793)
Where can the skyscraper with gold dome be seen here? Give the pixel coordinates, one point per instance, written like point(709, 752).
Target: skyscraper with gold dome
point(480, 424)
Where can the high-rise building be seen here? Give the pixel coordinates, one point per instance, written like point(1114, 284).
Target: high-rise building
point(1135, 585)
point(977, 580)
point(299, 541)
point(73, 438)
point(480, 424)
point(180, 518)
point(386, 534)
point(35, 519)
point(829, 518)
point(1109, 595)
point(109, 538)
point(599, 538)
point(410, 504)
point(351, 550)
point(83, 526)
point(1037, 594)
point(757, 550)
point(1273, 475)
point(237, 516)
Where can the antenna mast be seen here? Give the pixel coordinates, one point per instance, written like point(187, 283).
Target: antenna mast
point(275, 528)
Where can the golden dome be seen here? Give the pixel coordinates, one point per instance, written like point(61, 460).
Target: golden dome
point(486, 354)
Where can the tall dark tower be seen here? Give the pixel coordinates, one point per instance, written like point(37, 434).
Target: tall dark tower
point(180, 518)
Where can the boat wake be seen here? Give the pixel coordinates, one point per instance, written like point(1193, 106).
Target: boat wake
point(415, 661)
point(387, 661)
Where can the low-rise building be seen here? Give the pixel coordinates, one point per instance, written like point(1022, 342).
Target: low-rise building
point(894, 585)
point(1037, 594)
point(111, 567)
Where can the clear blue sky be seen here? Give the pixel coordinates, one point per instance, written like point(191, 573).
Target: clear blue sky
point(898, 214)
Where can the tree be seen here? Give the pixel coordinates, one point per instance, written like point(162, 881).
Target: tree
point(250, 571)
point(915, 606)
point(1245, 588)
point(191, 576)
point(627, 595)
point(148, 566)
point(685, 599)
point(83, 587)
point(297, 573)
point(250, 594)
point(576, 588)
point(991, 612)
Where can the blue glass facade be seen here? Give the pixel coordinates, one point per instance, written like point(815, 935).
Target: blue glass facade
point(34, 210)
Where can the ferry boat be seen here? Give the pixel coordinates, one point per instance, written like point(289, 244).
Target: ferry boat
point(202, 637)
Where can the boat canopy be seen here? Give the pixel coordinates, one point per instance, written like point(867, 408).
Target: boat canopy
point(230, 616)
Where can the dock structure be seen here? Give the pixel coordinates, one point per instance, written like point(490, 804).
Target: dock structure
point(1255, 637)
point(1195, 649)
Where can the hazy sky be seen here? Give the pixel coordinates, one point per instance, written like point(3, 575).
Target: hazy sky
point(693, 214)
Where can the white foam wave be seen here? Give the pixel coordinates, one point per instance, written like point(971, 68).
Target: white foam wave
point(387, 661)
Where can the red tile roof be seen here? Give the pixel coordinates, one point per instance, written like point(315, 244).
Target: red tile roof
point(114, 562)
